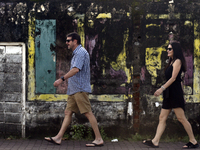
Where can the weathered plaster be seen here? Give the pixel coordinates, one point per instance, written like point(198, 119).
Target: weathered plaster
point(196, 82)
point(13, 101)
point(121, 61)
point(126, 41)
point(153, 62)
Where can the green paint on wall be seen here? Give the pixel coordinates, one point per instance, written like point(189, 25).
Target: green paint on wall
point(45, 56)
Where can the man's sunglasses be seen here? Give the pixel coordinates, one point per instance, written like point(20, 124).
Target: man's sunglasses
point(169, 49)
point(68, 40)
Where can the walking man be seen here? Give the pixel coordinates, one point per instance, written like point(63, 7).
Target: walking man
point(78, 91)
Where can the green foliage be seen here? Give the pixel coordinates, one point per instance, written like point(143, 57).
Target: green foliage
point(138, 137)
point(78, 132)
point(12, 137)
point(66, 137)
point(103, 134)
point(170, 139)
point(89, 134)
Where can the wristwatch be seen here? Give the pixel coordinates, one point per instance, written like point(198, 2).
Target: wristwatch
point(63, 78)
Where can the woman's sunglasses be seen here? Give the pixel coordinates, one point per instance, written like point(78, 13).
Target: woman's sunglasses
point(169, 49)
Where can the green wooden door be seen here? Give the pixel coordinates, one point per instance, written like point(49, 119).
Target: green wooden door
point(45, 56)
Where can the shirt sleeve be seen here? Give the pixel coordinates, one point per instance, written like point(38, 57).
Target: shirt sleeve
point(79, 60)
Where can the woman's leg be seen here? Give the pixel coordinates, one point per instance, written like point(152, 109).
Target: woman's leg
point(161, 126)
point(181, 117)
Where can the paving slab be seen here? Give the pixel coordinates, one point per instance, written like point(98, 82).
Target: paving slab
point(40, 144)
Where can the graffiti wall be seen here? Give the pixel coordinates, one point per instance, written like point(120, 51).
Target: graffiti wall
point(126, 41)
point(165, 22)
point(104, 35)
point(171, 23)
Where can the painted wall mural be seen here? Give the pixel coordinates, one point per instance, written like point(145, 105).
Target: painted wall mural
point(106, 33)
point(127, 43)
point(103, 35)
point(172, 26)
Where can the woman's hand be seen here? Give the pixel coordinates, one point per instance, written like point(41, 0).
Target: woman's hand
point(58, 82)
point(158, 92)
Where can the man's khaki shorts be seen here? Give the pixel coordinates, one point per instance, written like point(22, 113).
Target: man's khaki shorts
point(79, 102)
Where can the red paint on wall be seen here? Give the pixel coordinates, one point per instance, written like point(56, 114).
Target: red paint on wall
point(136, 102)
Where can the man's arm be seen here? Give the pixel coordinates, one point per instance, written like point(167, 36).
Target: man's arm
point(71, 73)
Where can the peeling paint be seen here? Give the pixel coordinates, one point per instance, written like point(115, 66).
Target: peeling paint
point(157, 104)
point(121, 60)
point(31, 55)
point(196, 83)
point(104, 15)
point(153, 62)
point(111, 98)
point(80, 24)
point(142, 74)
point(152, 54)
point(130, 108)
point(125, 48)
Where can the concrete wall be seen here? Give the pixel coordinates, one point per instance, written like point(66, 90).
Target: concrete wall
point(12, 89)
point(127, 43)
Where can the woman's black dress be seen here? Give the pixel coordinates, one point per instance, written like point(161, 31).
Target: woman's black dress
point(173, 95)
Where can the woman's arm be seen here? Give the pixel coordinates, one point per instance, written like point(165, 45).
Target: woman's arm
point(176, 69)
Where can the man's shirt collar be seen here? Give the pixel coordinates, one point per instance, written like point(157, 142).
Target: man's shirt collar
point(77, 48)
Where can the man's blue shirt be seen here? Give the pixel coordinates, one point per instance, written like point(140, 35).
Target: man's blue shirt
point(80, 82)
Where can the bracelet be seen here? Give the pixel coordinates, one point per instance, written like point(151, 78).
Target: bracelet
point(162, 87)
point(63, 78)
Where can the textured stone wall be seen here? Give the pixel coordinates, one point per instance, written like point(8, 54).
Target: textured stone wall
point(127, 43)
point(47, 117)
point(11, 90)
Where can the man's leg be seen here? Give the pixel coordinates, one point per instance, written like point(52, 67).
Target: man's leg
point(98, 139)
point(65, 124)
point(83, 103)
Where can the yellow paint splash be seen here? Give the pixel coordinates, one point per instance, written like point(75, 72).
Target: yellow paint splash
point(188, 23)
point(80, 29)
point(111, 98)
point(162, 16)
point(104, 15)
point(149, 25)
point(121, 59)
point(31, 55)
point(196, 82)
point(153, 61)
point(31, 71)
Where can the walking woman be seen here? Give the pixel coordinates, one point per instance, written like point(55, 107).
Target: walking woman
point(173, 97)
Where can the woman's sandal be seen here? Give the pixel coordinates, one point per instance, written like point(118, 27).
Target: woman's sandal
point(149, 143)
point(190, 145)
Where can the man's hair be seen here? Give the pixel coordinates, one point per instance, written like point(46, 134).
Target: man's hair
point(75, 36)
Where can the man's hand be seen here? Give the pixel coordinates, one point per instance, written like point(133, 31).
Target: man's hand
point(58, 82)
point(71, 73)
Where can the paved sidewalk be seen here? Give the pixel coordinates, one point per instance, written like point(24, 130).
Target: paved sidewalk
point(39, 144)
